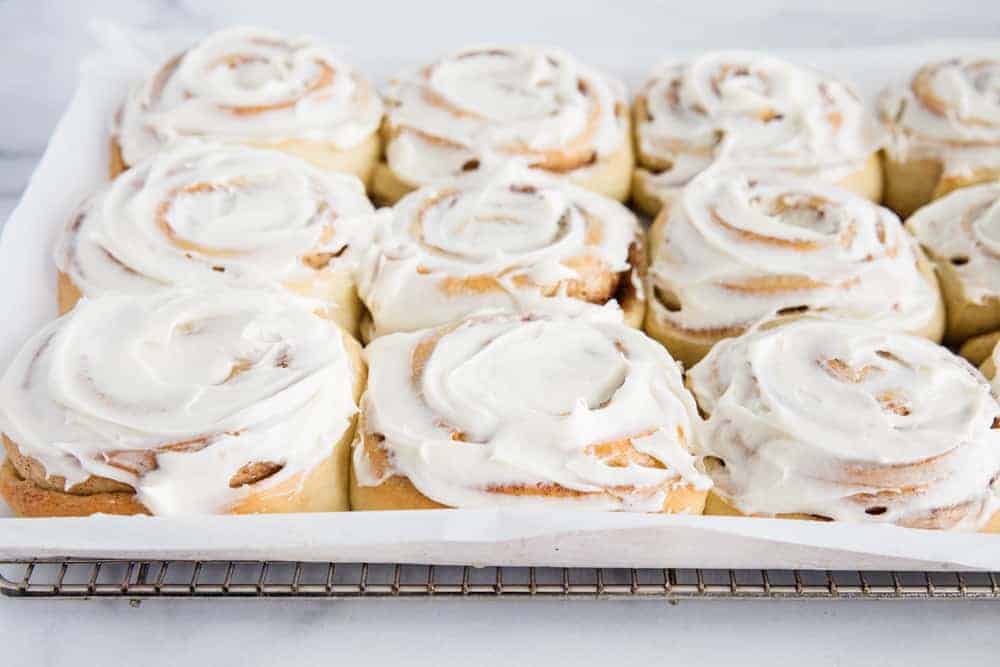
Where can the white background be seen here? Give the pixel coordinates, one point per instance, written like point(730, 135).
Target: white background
point(41, 44)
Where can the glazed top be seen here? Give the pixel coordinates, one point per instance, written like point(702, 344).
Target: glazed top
point(508, 409)
point(482, 105)
point(249, 85)
point(845, 421)
point(751, 111)
point(181, 394)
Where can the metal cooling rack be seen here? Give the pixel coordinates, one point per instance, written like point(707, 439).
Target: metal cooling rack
point(136, 580)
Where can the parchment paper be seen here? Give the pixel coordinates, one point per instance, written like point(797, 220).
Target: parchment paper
point(76, 162)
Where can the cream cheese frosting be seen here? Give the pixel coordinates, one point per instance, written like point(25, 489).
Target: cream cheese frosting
point(513, 239)
point(845, 421)
point(963, 228)
point(750, 111)
point(249, 85)
point(739, 247)
point(484, 105)
point(174, 393)
point(498, 409)
point(214, 215)
point(948, 111)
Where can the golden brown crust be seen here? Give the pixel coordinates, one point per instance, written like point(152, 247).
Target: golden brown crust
point(718, 506)
point(359, 160)
point(965, 317)
point(610, 176)
point(914, 183)
point(866, 182)
point(30, 492)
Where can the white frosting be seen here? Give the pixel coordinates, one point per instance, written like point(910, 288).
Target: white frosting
point(841, 420)
point(175, 392)
point(949, 111)
point(514, 239)
point(249, 85)
point(753, 112)
point(507, 403)
point(964, 228)
point(211, 215)
point(482, 105)
point(738, 248)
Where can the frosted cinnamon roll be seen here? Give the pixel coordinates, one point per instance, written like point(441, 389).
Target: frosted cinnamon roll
point(181, 402)
point(736, 248)
point(753, 112)
point(509, 410)
point(220, 216)
point(256, 87)
point(515, 239)
point(481, 106)
point(838, 420)
point(944, 126)
point(961, 234)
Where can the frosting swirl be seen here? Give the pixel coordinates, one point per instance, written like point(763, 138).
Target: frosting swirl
point(218, 216)
point(483, 105)
point(737, 248)
point(949, 111)
point(251, 86)
point(753, 112)
point(846, 422)
point(963, 228)
point(514, 410)
point(178, 394)
point(514, 239)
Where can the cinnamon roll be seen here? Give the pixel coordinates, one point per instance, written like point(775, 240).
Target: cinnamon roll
point(837, 420)
point(961, 234)
point(181, 402)
point(944, 126)
point(515, 239)
point(214, 215)
point(750, 111)
point(736, 248)
point(477, 107)
point(256, 87)
point(511, 410)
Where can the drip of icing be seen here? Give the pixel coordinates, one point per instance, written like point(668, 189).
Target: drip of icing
point(528, 397)
point(214, 215)
point(740, 247)
point(173, 393)
point(483, 105)
point(964, 228)
point(490, 241)
point(753, 112)
point(838, 419)
point(249, 85)
point(948, 111)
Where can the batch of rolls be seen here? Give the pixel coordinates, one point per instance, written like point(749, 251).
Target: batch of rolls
point(243, 331)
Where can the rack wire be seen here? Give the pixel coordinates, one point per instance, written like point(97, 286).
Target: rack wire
point(137, 580)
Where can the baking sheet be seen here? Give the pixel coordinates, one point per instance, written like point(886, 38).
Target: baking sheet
point(75, 163)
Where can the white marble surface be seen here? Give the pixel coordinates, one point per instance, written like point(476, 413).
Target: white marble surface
point(41, 43)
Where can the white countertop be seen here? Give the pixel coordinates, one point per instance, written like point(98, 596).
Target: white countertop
point(41, 44)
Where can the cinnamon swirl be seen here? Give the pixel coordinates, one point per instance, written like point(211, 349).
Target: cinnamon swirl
point(961, 234)
point(256, 87)
point(481, 106)
point(502, 410)
point(213, 215)
point(838, 420)
point(736, 248)
point(515, 239)
point(181, 402)
point(944, 126)
point(750, 111)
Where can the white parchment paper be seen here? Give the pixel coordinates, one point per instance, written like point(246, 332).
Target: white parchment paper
point(76, 162)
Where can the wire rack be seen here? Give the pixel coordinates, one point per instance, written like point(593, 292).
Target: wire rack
point(136, 580)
